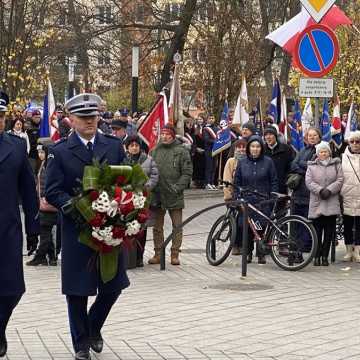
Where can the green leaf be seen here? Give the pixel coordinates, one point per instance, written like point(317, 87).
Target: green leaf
point(83, 205)
point(91, 178)
point(139, 178)
point(85, 238)
point(109, 265)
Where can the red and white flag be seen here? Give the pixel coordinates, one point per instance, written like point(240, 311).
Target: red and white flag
point(286, 36)
point(149, 129)
point(336, 120)
point(176, 117)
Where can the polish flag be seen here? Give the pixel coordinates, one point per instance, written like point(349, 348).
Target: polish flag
point(336, 120)
point(286, 36)
point(149, 129)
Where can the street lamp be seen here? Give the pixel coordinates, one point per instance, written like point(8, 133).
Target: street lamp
point(135, 78)
point(243, 64)
point(71, 63)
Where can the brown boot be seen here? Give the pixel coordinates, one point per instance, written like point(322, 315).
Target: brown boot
point(155, 259)
point(175, 258)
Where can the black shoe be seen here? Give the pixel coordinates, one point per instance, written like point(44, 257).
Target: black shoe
point(3, 346)
point(139, 263)
point(97, 344)
point(83, 355)
point(324, 261)
point(298, 259)
point(249, 259)
point(317, 262)
point(261, 260)
point(52, 262)
point(37, 261)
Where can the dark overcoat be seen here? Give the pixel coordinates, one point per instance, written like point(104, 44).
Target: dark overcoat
point(67, 159)
point(16, 180)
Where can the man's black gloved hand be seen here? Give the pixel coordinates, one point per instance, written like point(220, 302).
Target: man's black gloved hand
point(325, 194)
point(31, 244)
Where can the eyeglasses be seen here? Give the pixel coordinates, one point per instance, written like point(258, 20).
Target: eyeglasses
point(357, 142)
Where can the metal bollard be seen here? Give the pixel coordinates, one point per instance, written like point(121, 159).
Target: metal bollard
point(245, 238)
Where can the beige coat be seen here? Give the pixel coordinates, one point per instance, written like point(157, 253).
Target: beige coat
point(351, 188)
point(229, 173)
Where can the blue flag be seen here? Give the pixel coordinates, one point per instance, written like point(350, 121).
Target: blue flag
point(325, 125)
point(296, 133)
point(44, 130)
point(223, 136)
point(274, 111)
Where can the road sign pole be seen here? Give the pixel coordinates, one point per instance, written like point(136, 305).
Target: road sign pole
point(317, 112)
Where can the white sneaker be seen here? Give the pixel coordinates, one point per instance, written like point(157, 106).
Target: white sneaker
point(208, 187)
point(214, 187)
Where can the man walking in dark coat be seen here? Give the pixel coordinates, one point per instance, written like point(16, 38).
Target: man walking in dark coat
point(16, 178)
point(281, 154)
point(66, 163)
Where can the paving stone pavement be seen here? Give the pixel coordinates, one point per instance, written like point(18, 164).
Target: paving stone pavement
point(196, 311)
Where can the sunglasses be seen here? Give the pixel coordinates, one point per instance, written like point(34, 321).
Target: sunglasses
point(356, 142)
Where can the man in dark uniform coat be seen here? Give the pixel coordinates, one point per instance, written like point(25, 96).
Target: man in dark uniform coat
point(66, 163)
point(16, 178)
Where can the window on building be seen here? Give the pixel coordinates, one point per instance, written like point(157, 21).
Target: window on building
point(61, 20)
point(104, 14)
point(140, 13)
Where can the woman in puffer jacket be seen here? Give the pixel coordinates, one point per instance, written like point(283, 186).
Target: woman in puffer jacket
point(134, 155)
point(351, 197)
point(324, 179)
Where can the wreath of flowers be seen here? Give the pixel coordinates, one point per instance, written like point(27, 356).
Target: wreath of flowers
point(113, 206)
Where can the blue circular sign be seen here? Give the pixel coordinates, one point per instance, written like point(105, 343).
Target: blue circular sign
point(317, 50)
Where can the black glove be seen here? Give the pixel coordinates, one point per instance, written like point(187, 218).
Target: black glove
point(325, 194)
point(31, 244)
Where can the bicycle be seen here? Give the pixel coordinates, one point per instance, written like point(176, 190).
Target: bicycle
point(282, 238)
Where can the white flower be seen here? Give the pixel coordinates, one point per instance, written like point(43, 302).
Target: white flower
point(105, 235)
point(102, 203)
point(113, 209)
point(132, 228)
point(139, 200)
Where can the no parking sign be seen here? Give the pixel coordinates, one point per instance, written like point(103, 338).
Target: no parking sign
point(317, 50)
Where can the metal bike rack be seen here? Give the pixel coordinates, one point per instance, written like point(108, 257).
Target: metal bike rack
point(242, 204)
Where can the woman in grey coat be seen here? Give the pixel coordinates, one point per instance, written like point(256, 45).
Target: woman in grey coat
point(134, 155)
point(324, 179)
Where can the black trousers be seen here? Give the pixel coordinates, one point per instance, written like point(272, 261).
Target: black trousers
point(210, 167)
point(140, 245)
point(85, 324)
point(46, 246)
point(349, 223)
point(325, 228)
point(7, 305)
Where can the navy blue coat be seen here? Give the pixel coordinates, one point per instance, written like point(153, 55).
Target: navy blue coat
point(16, 178)
point(301, 195)
point(65, 168)
point(256, 174)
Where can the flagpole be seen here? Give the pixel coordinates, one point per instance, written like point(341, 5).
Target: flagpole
point(317, 112)
point(220, 165)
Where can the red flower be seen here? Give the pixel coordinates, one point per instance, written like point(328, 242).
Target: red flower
point(98, 220)
point(126, 209)
point(121, 180)
point(145, 193)
point(118, 232)
point(143, 216)
point(94, 195)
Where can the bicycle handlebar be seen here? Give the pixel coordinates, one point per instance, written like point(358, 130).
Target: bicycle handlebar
point(244, 190)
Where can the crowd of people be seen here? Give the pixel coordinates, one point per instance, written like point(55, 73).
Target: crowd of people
point(313, 176)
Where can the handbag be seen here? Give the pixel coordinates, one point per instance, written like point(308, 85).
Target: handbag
point(293, 181)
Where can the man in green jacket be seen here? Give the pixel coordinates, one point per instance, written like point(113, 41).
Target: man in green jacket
point(175, 172)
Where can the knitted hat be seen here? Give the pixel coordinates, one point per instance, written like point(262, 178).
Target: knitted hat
point(249, 125)
point(169, 130)
point(323, 145)
point(270, 130)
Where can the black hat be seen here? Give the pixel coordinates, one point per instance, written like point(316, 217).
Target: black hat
point(118, 124)
point(131, 139)
point(108, 115)
point(249, 125)
point(270, 130)
point(4, 101)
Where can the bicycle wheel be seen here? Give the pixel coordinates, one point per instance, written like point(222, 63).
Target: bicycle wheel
point(295, 245)
point(220, 240)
